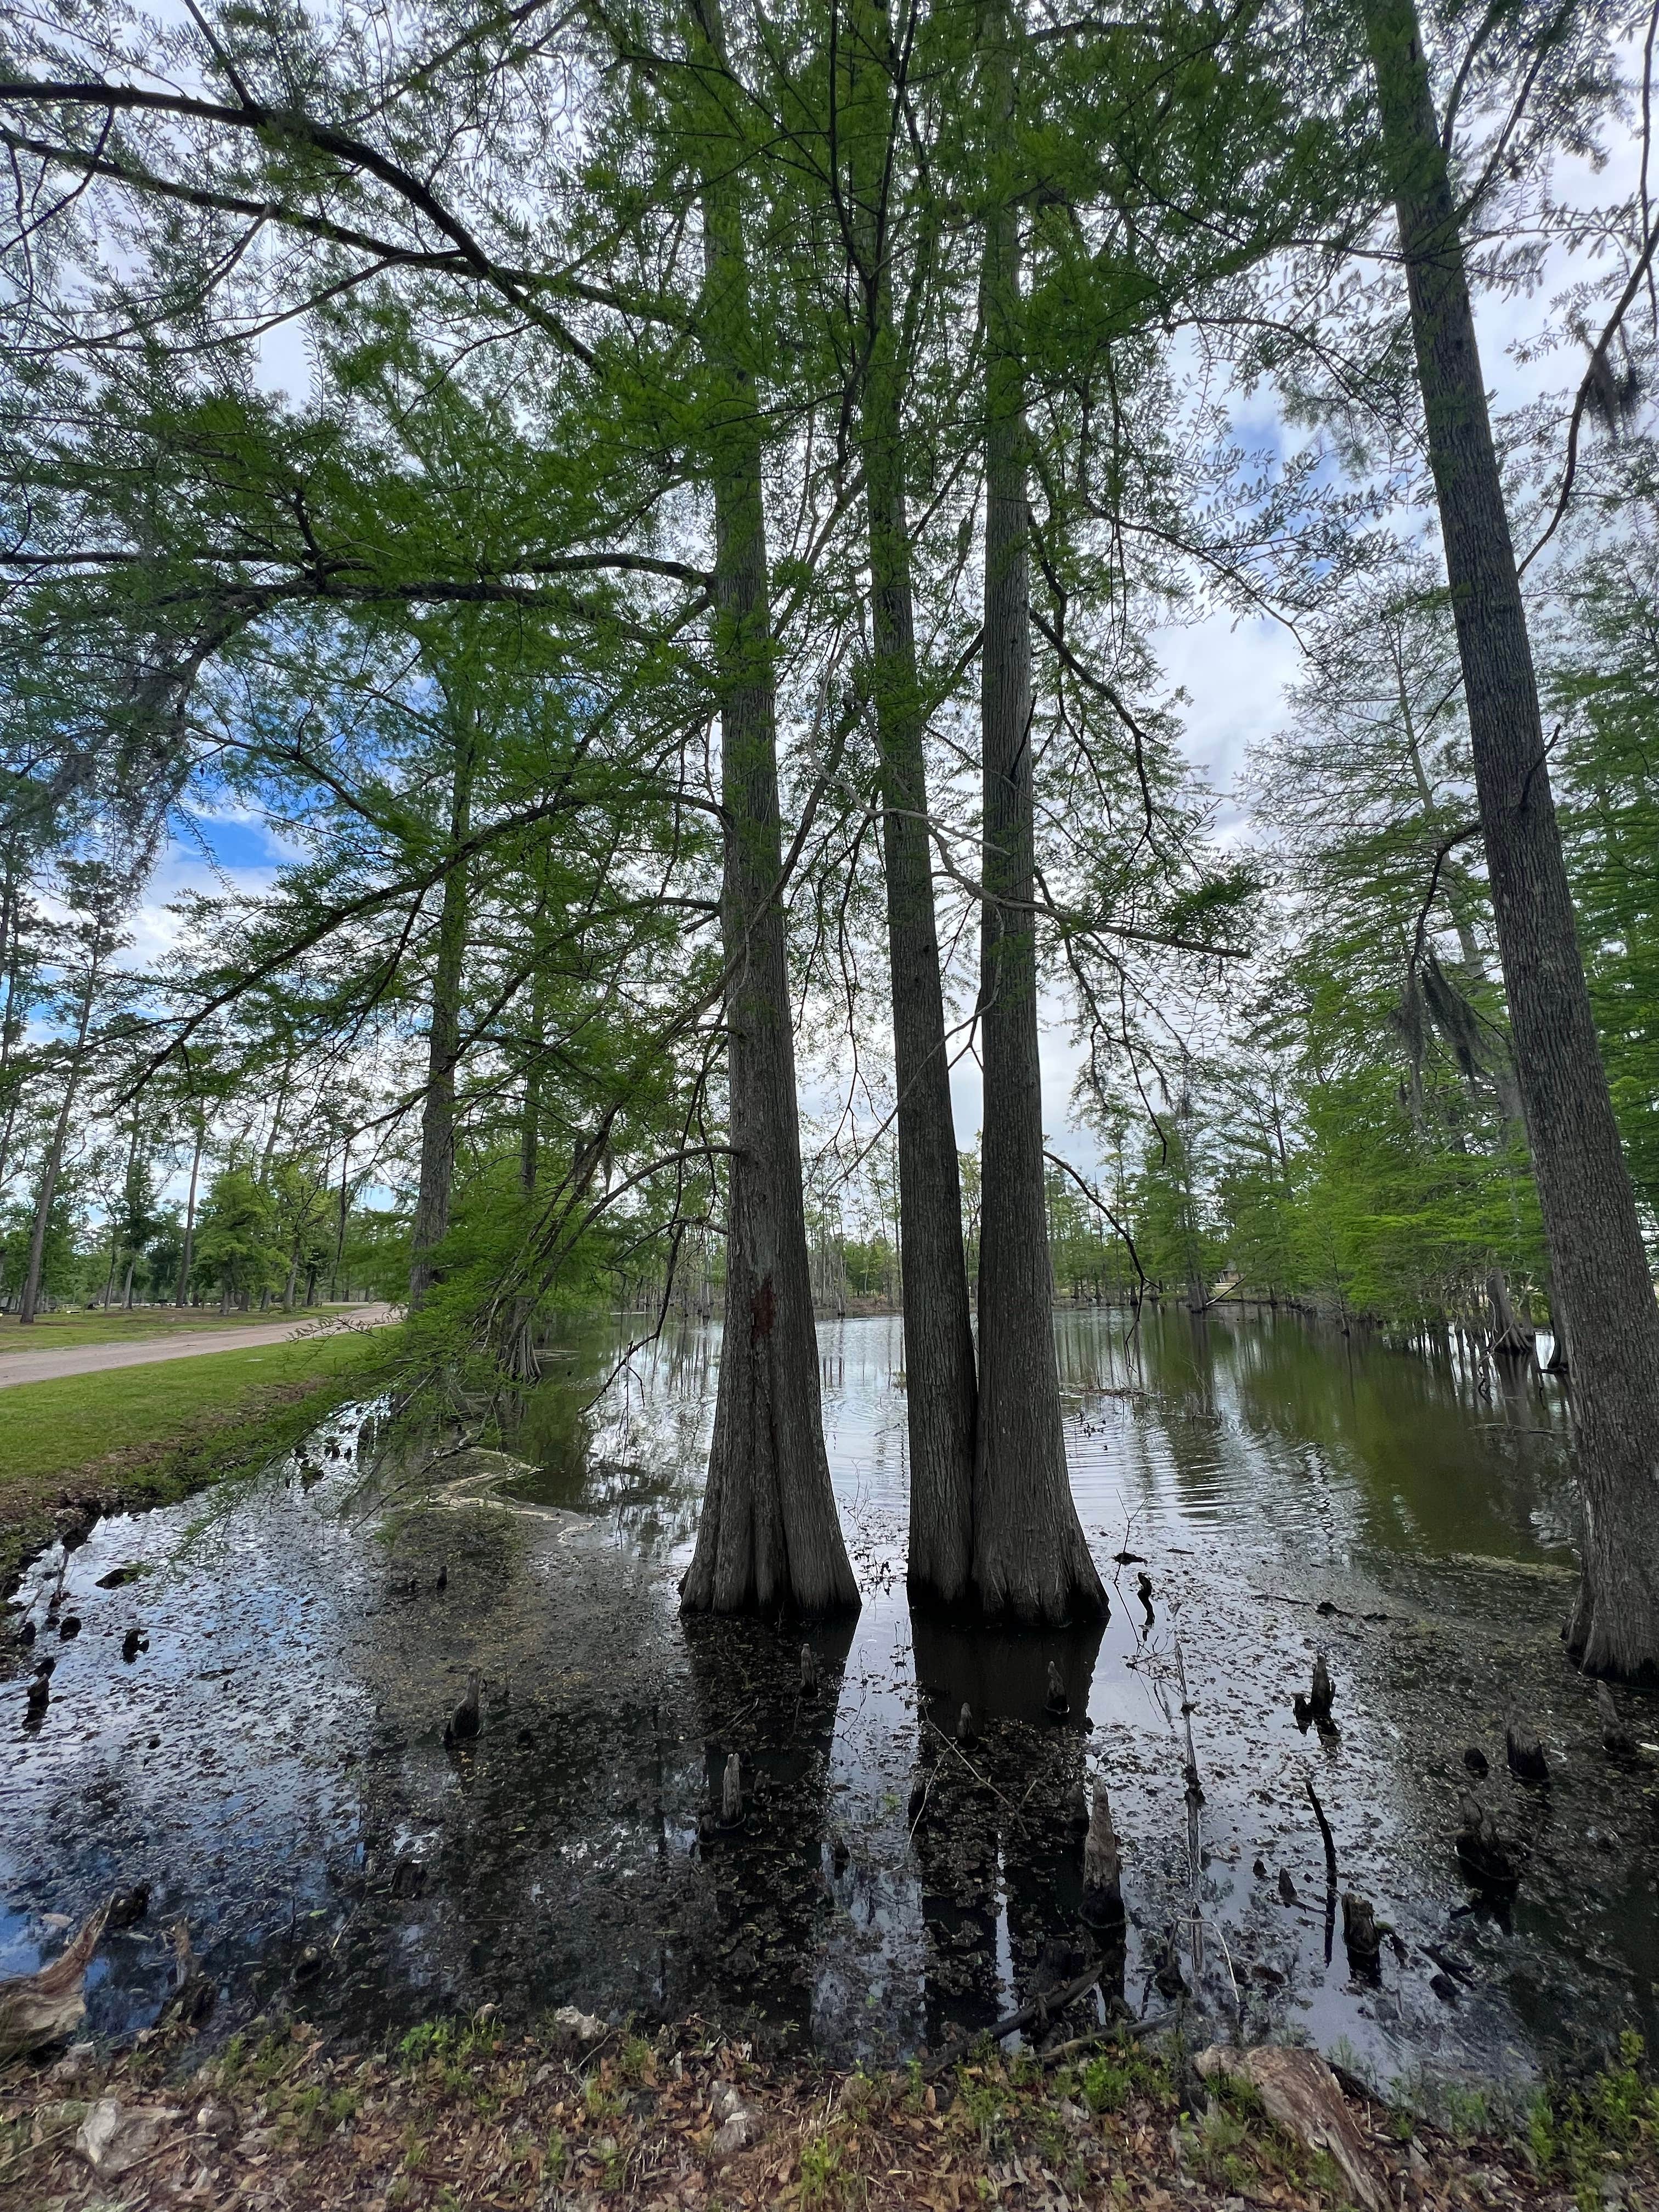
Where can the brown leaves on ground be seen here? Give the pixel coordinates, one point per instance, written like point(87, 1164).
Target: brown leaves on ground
point(458, 2116)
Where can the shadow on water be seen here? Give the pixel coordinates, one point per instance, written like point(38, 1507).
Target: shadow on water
point(996, 1813)
point(274, 1761)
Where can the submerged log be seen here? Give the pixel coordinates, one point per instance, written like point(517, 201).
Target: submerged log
point(1524, 1749)
point(1102, 1867)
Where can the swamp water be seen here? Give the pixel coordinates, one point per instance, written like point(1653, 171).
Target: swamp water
point(273, 1763)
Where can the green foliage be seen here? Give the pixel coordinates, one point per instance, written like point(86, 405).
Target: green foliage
point(1579, 2132)
point(1606, 687)
point(236, 1245)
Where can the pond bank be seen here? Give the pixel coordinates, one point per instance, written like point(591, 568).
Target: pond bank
point(458, 2114)
point(75, 1450)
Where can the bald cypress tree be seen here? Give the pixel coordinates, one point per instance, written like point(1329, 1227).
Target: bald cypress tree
point(1598, 1266)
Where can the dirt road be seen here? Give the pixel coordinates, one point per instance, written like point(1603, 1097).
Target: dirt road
point(98, 1359)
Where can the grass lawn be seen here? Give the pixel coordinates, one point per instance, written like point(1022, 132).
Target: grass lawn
point(59, 1331)
point(143, 1435)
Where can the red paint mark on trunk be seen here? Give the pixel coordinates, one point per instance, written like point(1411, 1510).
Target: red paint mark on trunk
point(762, 1312)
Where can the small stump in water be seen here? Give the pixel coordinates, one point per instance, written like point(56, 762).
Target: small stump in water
point(966, 1732)
point(1524, 1750)
point(1361, 1934)
point(463, 1723)
point(810, 1682)
point(1315, 1707)
point(1103, 1867)
point(731, 1813)
point(1054, 1698)
point(1482, 1853)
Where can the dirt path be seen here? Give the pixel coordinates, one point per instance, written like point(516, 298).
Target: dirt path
point(98, 1359)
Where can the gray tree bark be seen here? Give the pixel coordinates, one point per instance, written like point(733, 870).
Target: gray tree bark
point(1598, 1266)
point(187, 1257)
point(768, 1539)
point(1031, 1558)
point(431, 1223)
point(54, 1160)
point(940, 1390)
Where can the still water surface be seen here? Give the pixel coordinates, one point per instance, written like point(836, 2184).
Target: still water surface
point(273, 1764)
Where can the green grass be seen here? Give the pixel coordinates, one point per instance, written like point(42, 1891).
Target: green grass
point(63, 1331)
point(147, 1435)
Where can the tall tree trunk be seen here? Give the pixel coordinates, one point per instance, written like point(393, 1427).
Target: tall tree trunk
point(11, 1024)
point(1031, 1558)
point(768, 1539)
point(186, 1258)
point(340, 1231)
point(940, 1391)
point(1598, 1266)
point(431, 1223)
point(54, 1160)
point(1510, 1333)
point(275, 1129)
point(126, 1294)
point(1510, 1336)
point(115, 1238)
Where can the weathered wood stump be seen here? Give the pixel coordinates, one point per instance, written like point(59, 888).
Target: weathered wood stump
point(1524, 1749)
point(732, 1795)
point(1169, 1980)
point(1054, 1698)
point(1361, 1934)
point(1102, 1866)
point(810, 1679)
point(463, 1723)
point(1482, 1851)
point(966, 1732)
